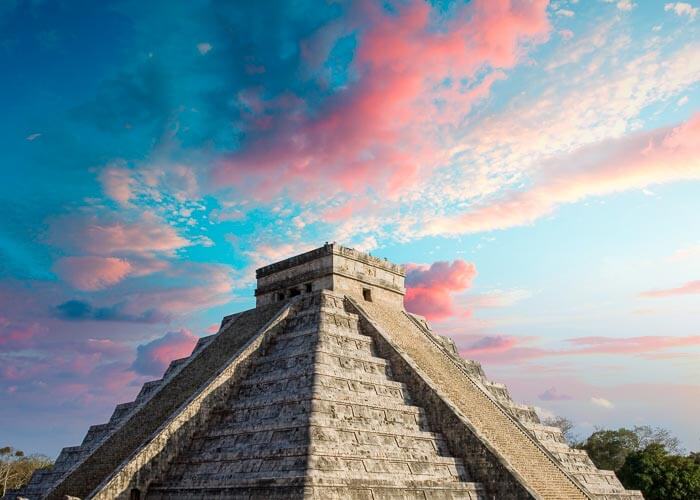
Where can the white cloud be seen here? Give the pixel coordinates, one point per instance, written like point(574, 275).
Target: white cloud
point(204, 47)
point(682, 101)
point(602, 402)
point(565, 13)
point(682, 9)
point(626, 5)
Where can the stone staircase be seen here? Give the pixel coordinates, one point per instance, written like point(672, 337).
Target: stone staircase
point(70, 458)
point(318, 416)
point(501, 433)
point(600, 484)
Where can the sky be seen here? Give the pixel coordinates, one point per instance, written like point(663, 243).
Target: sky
point(535, 164)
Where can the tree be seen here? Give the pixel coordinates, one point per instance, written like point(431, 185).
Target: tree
point(564, 424)
point(661, 476)
point(609, 449)
point(16, 468)
point(648, 435)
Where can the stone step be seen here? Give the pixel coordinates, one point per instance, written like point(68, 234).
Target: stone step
point(336, 344)
point(275, 353)
point(121, 411)
point(321, 403)
point(210, 449)
point(328, 429)
point(326, 364)
point(357, 489)
point(148, 389)
point(95, 433)
point(203, 342)
point(175, 366)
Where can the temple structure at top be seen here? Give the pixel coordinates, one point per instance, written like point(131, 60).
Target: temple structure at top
point(327, 389)
point(335, 268)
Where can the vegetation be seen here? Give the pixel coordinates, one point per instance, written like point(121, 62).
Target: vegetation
point(647, 459)
point(661, 476)
point(16, 468)
point(609, 449)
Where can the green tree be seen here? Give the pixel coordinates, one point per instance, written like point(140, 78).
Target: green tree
point(608, 449)
point(661, 476)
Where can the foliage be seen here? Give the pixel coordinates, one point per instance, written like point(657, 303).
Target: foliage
point(16, 468)
point(658, 435)
point(608, 449)
point(661, 476)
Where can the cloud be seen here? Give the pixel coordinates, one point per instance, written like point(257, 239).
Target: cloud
point(15, 335)
point(691, 287)
point(626, 5)
point(92, 273)
point(552, 394)
point(153, 358)
point(117, 183)
point(110, 236)
point(32, 137)
point(204, 47)
point(602, 402)
point(489, 345)
point(646, 158)
point(78, 310)
point(683, 254)
point(383, 127)
point(682, 9)
point(504, 349)
point(429, 289)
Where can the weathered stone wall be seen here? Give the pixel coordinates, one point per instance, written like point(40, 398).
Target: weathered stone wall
point(89, 472)
point(156, 454)
point(515, 448)
point(318, 416)
point(331, 267)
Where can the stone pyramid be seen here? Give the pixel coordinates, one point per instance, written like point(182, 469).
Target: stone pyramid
point(327, 389)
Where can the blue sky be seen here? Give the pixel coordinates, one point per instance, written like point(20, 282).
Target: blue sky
point(155, 155)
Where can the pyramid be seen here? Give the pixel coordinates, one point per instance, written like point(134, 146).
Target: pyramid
point(328, 388)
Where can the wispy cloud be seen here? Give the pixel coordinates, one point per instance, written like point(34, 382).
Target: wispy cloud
point(602, 402)
point(691, 287)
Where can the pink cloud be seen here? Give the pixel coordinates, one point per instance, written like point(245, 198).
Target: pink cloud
point(153, 358)
point(630, 345)
point(692, 287)
point(633, 162)
point(502, 349)
point(117, 183)
point(17, 336)
point(429, 289)
point(92, 273)
point(382, 131)
point(111, 236)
